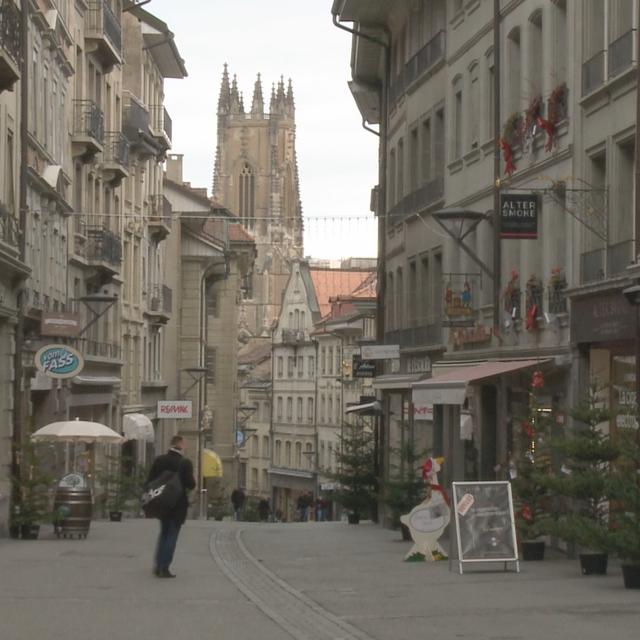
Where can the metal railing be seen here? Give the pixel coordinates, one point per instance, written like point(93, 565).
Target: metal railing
point(10, 32)
point(619, 257)
point(557, 300)
point(88, 120)
point(135, 117)
point(160, 210)
point(593, 73)
point(101, 19)
point(161, 298)
point(160, 122)
point(421, 62)
point(292, 336)
point(103, 245)
point(420, 198)
point(414, 336)
point(9, 227)
point(116, 148)
point(606, 262)
point(621, 53)
point(102, 349)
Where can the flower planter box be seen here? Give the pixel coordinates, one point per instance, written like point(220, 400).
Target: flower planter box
point(631, 576)
point(593, 564)
point(532, 551)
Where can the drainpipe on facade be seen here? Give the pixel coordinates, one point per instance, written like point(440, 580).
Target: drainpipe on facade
point(497, 249)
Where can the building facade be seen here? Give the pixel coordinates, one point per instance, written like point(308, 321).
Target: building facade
point(457, 294)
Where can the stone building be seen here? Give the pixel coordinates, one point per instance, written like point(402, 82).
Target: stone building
point(256, 178)
point(564, 121)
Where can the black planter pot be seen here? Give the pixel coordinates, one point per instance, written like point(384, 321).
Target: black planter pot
point(532, 550)
point(593, 564)
point(14, 531)
point(406, 533)
point(115, 516)
point(29, 531)
point(353, 518)
point(631, 575)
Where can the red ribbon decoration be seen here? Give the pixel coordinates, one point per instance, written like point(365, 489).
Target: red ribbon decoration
point(549, 129)
point(509, 165)
point(532, 314)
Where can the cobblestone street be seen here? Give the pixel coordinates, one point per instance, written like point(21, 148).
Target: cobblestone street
point(305, 581)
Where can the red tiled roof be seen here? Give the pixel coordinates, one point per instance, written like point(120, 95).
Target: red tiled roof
point(330, 283)
point(237, 233)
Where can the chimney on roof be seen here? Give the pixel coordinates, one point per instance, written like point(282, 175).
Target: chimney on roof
point(173, 170)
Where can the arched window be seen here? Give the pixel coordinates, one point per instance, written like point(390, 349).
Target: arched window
point(246, 196)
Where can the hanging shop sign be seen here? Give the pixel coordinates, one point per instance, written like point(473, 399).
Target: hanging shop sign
point(380, 352)
point(60, 325)
point(59, 361)
point(363, 368)
point(175, 409)
point(519, 216)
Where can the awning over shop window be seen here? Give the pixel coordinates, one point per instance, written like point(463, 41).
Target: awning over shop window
point(211, 464)
point(451, 387)
point(366, 409)
point(137, 426)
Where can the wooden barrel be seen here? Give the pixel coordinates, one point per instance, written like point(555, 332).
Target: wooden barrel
point(72, 510)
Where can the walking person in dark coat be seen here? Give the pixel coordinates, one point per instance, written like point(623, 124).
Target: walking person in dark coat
point(173, 460)
point(237, 500)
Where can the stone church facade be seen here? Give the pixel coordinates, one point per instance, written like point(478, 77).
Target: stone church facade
point(256, 178)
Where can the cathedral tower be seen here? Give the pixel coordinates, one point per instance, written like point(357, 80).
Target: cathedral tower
point(256, 177)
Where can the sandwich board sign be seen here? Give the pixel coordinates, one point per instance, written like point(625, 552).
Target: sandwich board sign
point(485, 523)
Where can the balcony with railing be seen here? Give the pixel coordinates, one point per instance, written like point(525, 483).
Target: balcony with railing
point(620, 55)
point(430, 334)
point(160, 216)
point(420, 199)
point(10, 44)
point(104, 29)
point(293, 337)
point(103, 249)
point(116, 157)
point(137, 127)
point(160, 302)
point(88, 129)
point(418, 65)
point(593, 73)
point(160, 125)
point(9, 244)
point(609, 262)
point(107, 350)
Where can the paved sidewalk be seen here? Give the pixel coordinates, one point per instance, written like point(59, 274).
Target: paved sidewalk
point(304, 581)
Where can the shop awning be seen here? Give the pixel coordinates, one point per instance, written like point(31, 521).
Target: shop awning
point(397, 380)
point(137, 426)
point(211, 464)
point(451, 387)
point(366, 409)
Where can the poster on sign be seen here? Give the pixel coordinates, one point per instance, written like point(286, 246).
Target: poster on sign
point(485, 524)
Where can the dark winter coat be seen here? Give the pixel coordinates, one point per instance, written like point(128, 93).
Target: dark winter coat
point(174, 461)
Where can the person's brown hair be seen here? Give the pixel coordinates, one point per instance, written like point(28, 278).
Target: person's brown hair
point(177, 439)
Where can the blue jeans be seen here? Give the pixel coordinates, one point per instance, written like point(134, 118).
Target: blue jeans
point(169, 530)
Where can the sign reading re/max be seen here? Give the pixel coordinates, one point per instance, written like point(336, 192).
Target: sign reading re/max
point(519, 216)
point(59, 361)
point(176, 409)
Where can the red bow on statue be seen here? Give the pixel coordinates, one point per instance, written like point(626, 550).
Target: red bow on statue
point(549, 129)
point(507, 151)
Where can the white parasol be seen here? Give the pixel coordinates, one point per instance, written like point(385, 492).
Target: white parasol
point(77, 431)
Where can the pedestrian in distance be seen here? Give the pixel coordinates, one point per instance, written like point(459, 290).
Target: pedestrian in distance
point(173, 460)
point(264, 509)
point(237, 500)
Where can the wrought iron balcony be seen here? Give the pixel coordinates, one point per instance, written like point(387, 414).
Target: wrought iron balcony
point(116, 156)
point(160, 302)
point(137, 126)
point(160, 124)
point(9, 228)
point(88, 128)
point(621, 54)
point(107, 350)
point(10, 44)
point(104, 248)
point(160, 217)
point(593, 73)
point(103, 27)
point(429, 334)
point(420, 63)
point(419, 199)
point(292, 337)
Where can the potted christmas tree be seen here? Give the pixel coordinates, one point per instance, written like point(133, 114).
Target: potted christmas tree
point(583, 480)
point(624, 490)
point(406, 489)
point(356, 475)
point(530, 477)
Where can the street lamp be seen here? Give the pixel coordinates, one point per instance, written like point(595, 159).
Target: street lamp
point(197, 374)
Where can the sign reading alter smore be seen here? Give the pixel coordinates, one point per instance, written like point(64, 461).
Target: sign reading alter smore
point(485, 526)
point(519, 216)
point(175, 409)
point(59, 361)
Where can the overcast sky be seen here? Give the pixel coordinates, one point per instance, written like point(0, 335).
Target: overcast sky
point(337, 158)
